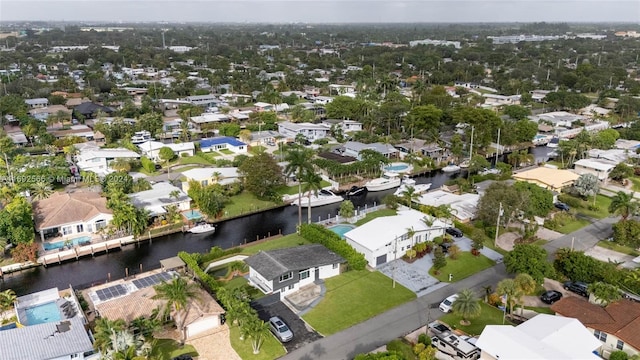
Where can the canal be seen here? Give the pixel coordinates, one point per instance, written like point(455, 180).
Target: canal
point(147, 255)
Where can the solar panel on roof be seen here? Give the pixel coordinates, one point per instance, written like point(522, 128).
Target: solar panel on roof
point(111, 292)
point(151, 280)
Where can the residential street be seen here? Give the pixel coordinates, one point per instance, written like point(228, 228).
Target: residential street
point(394, 323)
point(402, 320)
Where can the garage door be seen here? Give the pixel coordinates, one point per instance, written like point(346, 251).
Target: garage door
point(202, 325)
point(381, 259)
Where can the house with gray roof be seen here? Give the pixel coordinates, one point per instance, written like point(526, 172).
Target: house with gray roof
point(353, 148)
point(285, 271)
point(159, 197)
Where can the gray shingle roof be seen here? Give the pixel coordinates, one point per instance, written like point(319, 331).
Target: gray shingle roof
point(271, 264)
point(43, 342)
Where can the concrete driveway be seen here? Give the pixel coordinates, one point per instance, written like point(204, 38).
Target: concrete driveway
point(270, 306)
point(607, 255)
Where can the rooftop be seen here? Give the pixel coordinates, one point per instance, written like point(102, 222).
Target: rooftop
point(598, 164)
point(227, 174)
point(465, 205)
point(554, 178)
point(205, 143)
point(158, 197)
point(65, 208)
point(271, 264)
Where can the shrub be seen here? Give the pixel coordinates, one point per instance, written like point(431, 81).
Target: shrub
point(320, 235)
point(618, 355)
point(454, 252)
point(570, 200)
point(147, 164)
point(207, 280)
point(494, 299)
point(418, 348)
point(401, 348)
point(424, 339)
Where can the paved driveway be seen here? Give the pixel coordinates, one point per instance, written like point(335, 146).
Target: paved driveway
point(270, 306)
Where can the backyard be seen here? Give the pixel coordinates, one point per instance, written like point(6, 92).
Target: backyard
point(167, 349)
point(489, 316)
point(354, 297)
point(465, 265)
point(246, 202)
point(287, 241)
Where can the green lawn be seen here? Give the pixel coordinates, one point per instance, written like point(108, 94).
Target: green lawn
point(619, 248)
point(635, 181)
point(226, 151)
point(376, 214)
point(464, 266)
point(167, 349)
point(556, 163)
point(241, 282)
point(195, 160)
point(539, 310)
point(255, 150)
point(293, 190)
point(489, 316)
point(602, 202)
point(287, 241)
point(354, 297)
point(573, 225)
point(271, 348)
point(245, 202)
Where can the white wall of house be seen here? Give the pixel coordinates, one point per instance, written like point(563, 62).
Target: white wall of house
point(610, 344)
point(235, 149)
point(600, 174)
point(205, 323)
point(325, 272)
point(253, 274)
point(89, 226)
point(328, 271)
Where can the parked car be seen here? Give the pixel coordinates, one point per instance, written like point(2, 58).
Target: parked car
point(562, 206)
point(445, 247)
point(446, 306)
point(437, 327)
point(280, 329)
point(454, 232)
point(577, 287)
point(551, 296)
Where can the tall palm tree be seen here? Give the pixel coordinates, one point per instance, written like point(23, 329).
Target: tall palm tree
point(526, 284)
point(623, 204)
point(257, 330)
point(7, 299)
point(298, 162)
point(510, 289)
point(121, 164)
point(178, 294)
point(41, 190)
point(409, 195)
point(103, 330)
point(466, 305)
point(312, 183)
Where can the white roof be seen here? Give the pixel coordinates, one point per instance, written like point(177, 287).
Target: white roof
point(210, 117)
point(378, 232)
point(156, 145)
point(542, 337)
point(228, 174)
point(596, 164)
point(262, 104)
point(93, 153)
point(464, 205)
point(158, 197)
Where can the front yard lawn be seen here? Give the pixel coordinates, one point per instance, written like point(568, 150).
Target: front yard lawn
point(193, 160)
point(489, 316)
point(167, 349)
point(619, 248)
point(287, 241)
point(271, 348)
point(573, 225)
point(245, 202)
point(376, 214)
point(354, 297)
point(226, 151)
point(602, 202)
point(465, 265)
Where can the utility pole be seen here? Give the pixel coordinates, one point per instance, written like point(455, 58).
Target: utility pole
point(495, 241)
point(498, 149)
point(395, 251)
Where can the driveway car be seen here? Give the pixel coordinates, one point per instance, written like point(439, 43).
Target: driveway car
point(280, 329)
point(446, 306)
point(454, 232)
point(561, 206)
point(437, 327)
point(577, 287)
point(551, 296)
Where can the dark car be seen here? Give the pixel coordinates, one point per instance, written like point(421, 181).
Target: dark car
point(551, 296)
point(577, 287)
point(454, 232)
point(445, 247)
point(561, 206)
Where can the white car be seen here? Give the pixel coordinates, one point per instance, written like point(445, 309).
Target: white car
point(446, 306)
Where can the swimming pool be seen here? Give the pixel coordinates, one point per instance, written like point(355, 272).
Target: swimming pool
point(61, 244)
point(192, 214)
point(42, 314)
point(341, 229)
point(398, 167)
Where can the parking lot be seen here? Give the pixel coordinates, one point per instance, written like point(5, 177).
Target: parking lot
point(269, 306)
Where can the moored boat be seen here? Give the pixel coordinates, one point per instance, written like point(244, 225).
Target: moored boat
point(387, 181)
point(357, 191)
point(202, 228)
point(323, 197)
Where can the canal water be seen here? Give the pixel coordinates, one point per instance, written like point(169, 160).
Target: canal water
point(146, 256)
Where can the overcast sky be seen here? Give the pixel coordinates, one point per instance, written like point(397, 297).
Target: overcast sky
point(323, 11)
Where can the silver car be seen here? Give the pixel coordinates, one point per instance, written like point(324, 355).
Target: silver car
point(280, 329)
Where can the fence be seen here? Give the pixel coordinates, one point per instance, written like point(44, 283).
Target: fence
point(359, 214)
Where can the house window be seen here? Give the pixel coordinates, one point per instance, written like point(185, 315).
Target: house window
point(335, 266)
point(418, 238)
point(304, 274)
point(602, 336)
point(620, 345)
point(89, 228)
point(66, 230)
point(79, 228)
point(204, 182)
point(101, 224)
point(290, 287)
point(286, 277)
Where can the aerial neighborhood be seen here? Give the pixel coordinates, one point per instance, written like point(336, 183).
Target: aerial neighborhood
point(250, 191)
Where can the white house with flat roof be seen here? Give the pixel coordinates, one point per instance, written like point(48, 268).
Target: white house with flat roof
point(598, 167)
point(310, 131)
point(98, 160)
point(151, 149)
point(464, 207)
point(353, 148)
point(211, 175)
point(386, 238)
point(159, 198)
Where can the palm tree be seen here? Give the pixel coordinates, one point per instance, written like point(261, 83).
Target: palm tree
point(466, 305)
point(174, 194)
point(623, 204)
point(526, 284)
point(409, 195)
point(217, 177)
point(121, 164)
point(510, 289)
point(178, 294)
point(298, 163)
point(7, 299)
point(41, 190)
point(103, 330)
point(312, 183)
point(257, 330)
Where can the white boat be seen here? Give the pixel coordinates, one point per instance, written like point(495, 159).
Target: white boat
point(451, 168)
point(141, 136)
point(465, 164)
point(489, 172)
point(356, 191)
point(417, 188)
point(202, 228)
point(554, 143)
point(323, 197)
point(387, 181)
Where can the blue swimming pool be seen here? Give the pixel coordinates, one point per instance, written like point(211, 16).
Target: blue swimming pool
point(42, 314)
point(61, 244)
point(192, 215)
point(397, 167)
point(341, 229)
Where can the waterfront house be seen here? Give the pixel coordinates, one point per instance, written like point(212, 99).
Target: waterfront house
point(548, 178)
point(223, 143)
point(211, 175)
point(151, 149)
point(159, 197)
point(89, 110)
point(385, 239)
point(345, 125)
point(97, 160)
point(80, 130)
point(600, 168)
point(431, 150)
point(464, 206)
point(285, 271)
point(69, 214)
point(539, 338)
point(616, 325)
point(14, 132)
point(353, 148)
point(208, 118)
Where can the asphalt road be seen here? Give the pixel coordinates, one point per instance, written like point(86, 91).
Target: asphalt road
point(585, 238)
point(392, 324)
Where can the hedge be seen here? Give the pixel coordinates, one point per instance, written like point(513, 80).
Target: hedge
point(207, 280)
point(147, 164)
point(320, 235)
